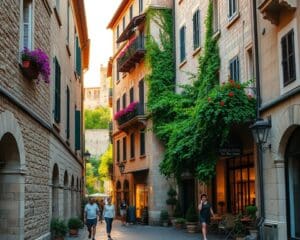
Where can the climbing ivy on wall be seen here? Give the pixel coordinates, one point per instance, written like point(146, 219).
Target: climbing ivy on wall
point(194, 124)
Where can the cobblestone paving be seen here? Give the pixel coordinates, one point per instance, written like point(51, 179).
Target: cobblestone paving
point(139, 232)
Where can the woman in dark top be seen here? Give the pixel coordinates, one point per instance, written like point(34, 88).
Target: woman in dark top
point(205, 212)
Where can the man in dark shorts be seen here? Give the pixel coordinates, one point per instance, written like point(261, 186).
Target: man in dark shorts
point(91, 211)
point(205, 212)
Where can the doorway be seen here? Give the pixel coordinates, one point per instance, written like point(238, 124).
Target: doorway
point(141, 198)
point(292, 173)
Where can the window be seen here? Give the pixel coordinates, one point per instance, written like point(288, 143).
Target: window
point(131, 12)
point(57, 86)
point(141, 6)
point(68, 114)
point(141, 97)
point(77, 129)
point(118, 105)
point(68, 23)
point(196, 29)
point(118, 75)
point(142, 142)
point(132, 147)
point(124, 149)
point(288, 58)
point(118, 151)
point(124, 104)
point(232, 8)
point(124, 23)
point(215, 15)
point(77, 56)
point(182, 44)
point(57, 5)
point(27, 25)
point(118, 31)
point(234, 69)
point(131, 95)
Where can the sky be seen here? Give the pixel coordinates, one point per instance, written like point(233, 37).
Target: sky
point(98, 14)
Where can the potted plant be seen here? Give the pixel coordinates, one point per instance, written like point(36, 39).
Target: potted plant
point(239, 228)
point(251, 213)
point(74, 224)
point(179, 223)
point(34, 63)
point(58, 228)
point(221, 205)
point(191, 219)
point(164, 218)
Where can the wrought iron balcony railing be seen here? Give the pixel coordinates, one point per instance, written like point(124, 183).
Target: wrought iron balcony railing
point(131, 54)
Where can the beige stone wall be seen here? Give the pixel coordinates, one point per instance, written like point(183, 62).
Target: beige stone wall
point(285, 114)
point(96, 141)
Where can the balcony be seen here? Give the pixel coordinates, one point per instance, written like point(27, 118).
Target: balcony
point(130, 117)
point(132, 54)
point(110, 97)
point(271, 9)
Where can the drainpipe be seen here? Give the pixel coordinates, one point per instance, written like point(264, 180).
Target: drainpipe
point(174, 42)
point(258, 104)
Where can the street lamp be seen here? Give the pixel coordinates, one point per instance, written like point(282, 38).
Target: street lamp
point(122, 167)
point(87, 156)
point(260, 130)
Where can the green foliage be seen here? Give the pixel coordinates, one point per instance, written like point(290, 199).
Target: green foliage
point(97, 118)
point(251, 211)
point(195, 123)
point(91, 179)
point(75, 223)
point(164, 216)
point(180, 220)
point(106, 163)
point(171, 197)
point(191, 214)
point(58, 227)
point(239, 228)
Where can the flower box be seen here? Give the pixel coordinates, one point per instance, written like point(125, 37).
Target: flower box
point(34, 63)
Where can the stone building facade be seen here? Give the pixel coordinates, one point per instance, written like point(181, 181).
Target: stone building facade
point(232, 25)
point(40, 166)
point(279, 67)
point(135, 146)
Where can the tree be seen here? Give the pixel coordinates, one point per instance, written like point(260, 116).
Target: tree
point(97, 118)
point(106, 163)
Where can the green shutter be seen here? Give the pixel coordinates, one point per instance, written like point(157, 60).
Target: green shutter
point(68, 113)
point(57, 91)
point(77, 129)
point(78, 57)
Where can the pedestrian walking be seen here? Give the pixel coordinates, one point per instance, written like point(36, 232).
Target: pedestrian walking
point(91, 212)
point(205, 213)
point(109, 214)
point(101, 206)
point(123, 211)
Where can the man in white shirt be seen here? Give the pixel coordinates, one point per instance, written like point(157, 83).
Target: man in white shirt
point(91, 211)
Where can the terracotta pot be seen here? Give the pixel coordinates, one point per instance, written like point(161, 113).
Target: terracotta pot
point(30, 72)
point(73, 232)
point(26, 64)
point(192, 227)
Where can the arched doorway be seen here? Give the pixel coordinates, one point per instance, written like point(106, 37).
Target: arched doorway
point(292, 173)
point(118, 196)
point(12, 188)
point(126, 191)
point(55, 191)
point(73, 212)
point(66, 191)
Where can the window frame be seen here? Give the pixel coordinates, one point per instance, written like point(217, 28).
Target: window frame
point(232, 66)
point(30, 26)
point(196, 31)
point(232, 14)
point(182, 44)
point(132, 145)
point(118, 152)
point(142, 142)
point(124, 146)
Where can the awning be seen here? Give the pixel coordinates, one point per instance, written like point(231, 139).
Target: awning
point(129, 29)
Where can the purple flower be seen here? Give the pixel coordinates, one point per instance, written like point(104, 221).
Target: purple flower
point(130, 108)
point(40, 59)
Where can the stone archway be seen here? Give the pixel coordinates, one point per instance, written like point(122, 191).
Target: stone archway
point(66, 195)
point(55, 191)
point(73, 211)
point(12, 181)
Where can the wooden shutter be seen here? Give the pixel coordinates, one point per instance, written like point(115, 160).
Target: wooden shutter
point(142, 142)
point(182, 44)
point(77, 130)
point(141, 96)
point(118, 151)
point(131, 95)
point(124, 149)
point(68, 113)
point(78, 57)
point(57, 91)
point(196, 29)
point(132, 146)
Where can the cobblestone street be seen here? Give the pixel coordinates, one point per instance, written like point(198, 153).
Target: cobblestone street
point(140, 232)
